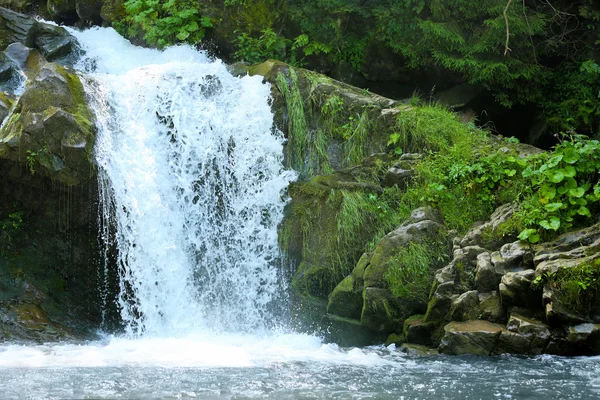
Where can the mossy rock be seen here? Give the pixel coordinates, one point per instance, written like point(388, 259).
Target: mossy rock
point(51, 128)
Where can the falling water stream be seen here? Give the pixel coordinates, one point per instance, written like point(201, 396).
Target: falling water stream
point(192, 183)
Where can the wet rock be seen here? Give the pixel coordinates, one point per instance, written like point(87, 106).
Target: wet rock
point(465, 307)
point(54, 42)
point(28, 60)
point(494, 233)
point(490, 306)
point(417, 350)
point(89, 10)
point(16, 27)
point(470, 337)
point(63, 11)
point(6, 68)
point(535, 331)
point(53, 122)
point(28, 322)
point(512, 257)
point(346, 299)
point(516, 290)
point(512, 343)
point(417, 331)
point(585, 337)
point(382, 311)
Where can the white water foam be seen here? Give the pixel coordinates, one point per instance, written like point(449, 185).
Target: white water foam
point(192, 170)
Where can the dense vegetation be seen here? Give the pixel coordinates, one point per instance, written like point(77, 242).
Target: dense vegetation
point(532, 52)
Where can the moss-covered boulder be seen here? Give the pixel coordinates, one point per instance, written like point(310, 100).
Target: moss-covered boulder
point(51, 129)
point(329, 124)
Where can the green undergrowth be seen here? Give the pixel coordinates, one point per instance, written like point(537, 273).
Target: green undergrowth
point(466, 174)
point(412, 268)
point(316, 122)
point(576, 288)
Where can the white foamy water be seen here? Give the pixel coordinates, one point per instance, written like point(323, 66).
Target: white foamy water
point(192, 178)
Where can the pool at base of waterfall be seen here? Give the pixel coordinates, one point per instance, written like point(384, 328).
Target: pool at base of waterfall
point(279, 366)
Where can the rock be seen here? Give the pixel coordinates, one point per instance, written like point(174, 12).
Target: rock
point(512, 343)
point(486, 277)
point(6, 68)
point(459, 96)
point(5, 105)
point(571, 249)
point(112, 10)
point(398, 177)
point(89, 10)
point(28, 322)
point(490, 306)
point(470, 337)
point(55, 43)
point(585, 337)
point(516, 290)
point(417, 331)
point(53, 113)
point(16, 27)
point(513, 257)
point(28, 60)
point(395, 339)
point(417, 350)
point(494, 233)
point(535, 331)
point(63, 11)
point(346, 299)
point(465, 307)
point(382, 311)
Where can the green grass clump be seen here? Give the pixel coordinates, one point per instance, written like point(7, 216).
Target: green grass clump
point(577, 289)
point(411, 271)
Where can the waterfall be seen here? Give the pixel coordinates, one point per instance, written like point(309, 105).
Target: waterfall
point(192, 180)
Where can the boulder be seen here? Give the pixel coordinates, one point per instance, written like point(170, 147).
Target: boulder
point(417, 331)
point(26, 59)
point(112, 10)
point(417, 350)
point(55, 43)
point(470, 337)
point(63, 11)
point(516, 290)
point(497, 231)
point(512, 343)
point(490, 307)
point(535, 331)
point(465, 307)
point(16, 27)
point(513, 257)
point(26, 322)
point(52, 121)
point(89, 10)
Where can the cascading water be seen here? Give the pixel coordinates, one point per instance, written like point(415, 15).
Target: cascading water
point(192, 176)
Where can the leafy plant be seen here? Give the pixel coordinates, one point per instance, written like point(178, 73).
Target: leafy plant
point(31, 160)
point(163, 23)
point(576, 288)
point(268, 45)
point(564, 185)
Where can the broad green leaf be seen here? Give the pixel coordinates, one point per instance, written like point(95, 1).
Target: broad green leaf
point(557, 176)
point(583, 210)
point(579, 192)
point(569, 171)
point(553, 206)
point(571, 156)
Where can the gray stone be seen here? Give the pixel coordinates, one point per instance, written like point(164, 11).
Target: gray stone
point(492, 234)
point(512, 343)
point(417, 350)
point(465, 307)
point(490, 306)
point(513, 257)
point(486, 277)
point(398, 177)
point(534, 330)
point(470, 337)
point(28, 60)
point(515, 290)
point(54, 42)
point(16, 28)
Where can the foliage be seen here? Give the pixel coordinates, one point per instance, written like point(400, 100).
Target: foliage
point(468, 175)
point(31, 160)
point(268, 45)
point(411, 270)
point(576, 288)
point(12, 225)
point(163, 23)
point(563, 185)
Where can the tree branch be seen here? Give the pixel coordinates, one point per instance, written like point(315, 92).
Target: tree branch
point(506, 48)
